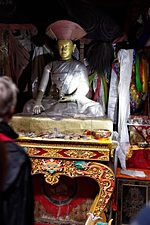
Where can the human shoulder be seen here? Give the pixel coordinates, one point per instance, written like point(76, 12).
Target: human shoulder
point(15, 149)
point(79, 64)
point(19, 163)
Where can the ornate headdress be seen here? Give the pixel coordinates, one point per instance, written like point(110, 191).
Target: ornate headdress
point(65, 30)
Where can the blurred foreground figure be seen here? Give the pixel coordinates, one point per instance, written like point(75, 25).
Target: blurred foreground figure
point(67, 95)
point(16, 195)
point(143, 216)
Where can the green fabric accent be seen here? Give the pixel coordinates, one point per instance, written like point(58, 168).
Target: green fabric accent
point(137, 74)
point(91, 77)
point(105, 89)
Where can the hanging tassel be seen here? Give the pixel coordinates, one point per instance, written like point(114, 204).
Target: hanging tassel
point(144, 76)
point(137, 74)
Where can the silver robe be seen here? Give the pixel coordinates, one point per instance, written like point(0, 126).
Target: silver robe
point(68, 78)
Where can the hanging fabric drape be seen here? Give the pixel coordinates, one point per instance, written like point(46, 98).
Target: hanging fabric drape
point(126, 61)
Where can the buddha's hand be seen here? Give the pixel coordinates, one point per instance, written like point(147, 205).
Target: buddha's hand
point(67, 98)
point(37, 109)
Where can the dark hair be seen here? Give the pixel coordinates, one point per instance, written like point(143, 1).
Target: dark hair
point(8, 95)
point(100, 56)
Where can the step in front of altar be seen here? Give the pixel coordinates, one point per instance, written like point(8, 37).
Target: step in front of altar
point(37, 123)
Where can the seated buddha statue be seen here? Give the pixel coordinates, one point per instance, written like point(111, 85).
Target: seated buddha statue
point(67, 94)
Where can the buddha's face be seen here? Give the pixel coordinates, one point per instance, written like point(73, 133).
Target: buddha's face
point(65, 48)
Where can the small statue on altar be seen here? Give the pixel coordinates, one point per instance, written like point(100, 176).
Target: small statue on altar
point(68, 79)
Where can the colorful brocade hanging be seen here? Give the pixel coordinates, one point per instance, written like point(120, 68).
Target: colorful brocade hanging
point(139, 84)
point(99, 84)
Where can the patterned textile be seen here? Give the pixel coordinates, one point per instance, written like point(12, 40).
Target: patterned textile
point(66, 202)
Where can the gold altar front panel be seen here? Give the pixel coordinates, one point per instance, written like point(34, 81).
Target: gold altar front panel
point(54, 157)
point(75, 150)
point(74, 159)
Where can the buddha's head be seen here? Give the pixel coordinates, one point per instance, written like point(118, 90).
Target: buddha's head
point(66, 49)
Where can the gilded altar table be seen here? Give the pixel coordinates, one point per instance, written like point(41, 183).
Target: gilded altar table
point(67, 147)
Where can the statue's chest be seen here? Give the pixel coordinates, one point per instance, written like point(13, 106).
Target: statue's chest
point(59, 78)
point(65, 77)
point(60, 72)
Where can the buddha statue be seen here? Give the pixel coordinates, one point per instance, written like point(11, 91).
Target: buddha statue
point(69, 85)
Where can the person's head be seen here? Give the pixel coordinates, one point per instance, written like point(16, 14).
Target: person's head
point(8, 98)
point(65, 49)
